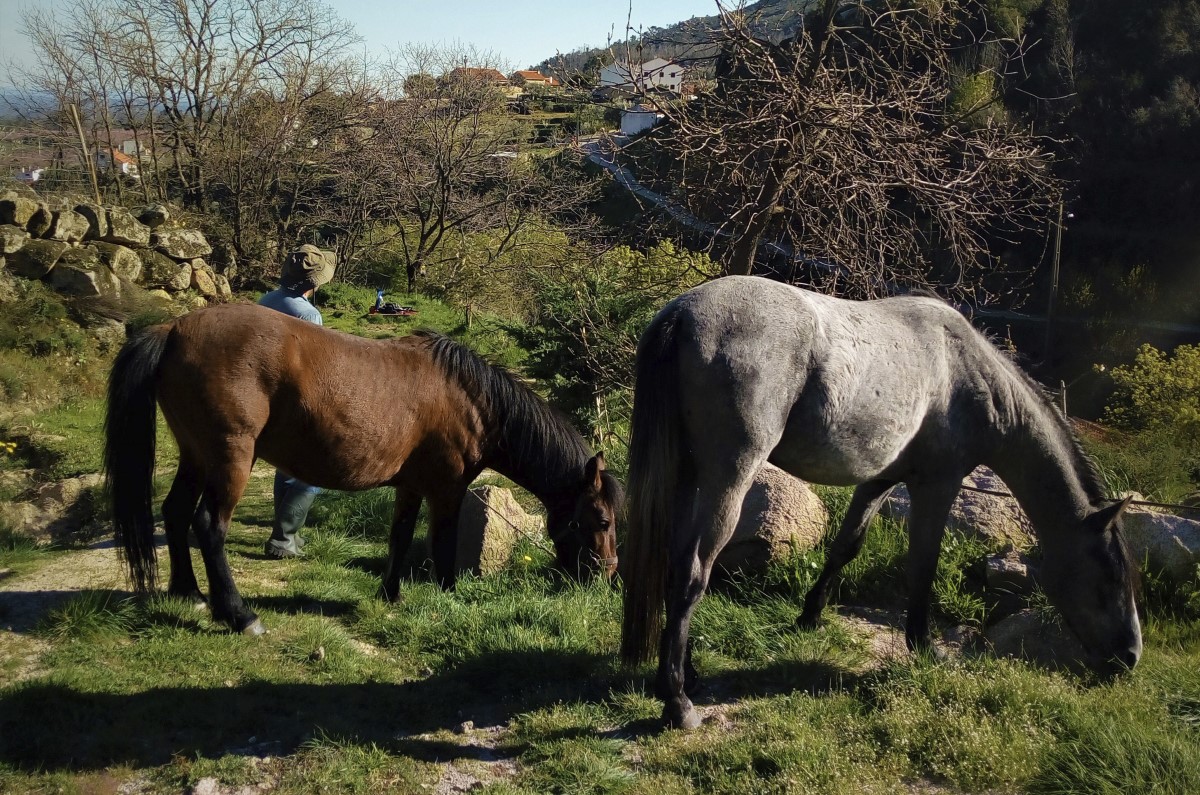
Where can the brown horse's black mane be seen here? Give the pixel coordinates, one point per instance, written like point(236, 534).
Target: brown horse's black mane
point(540, 440)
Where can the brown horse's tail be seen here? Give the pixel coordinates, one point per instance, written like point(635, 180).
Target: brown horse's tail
point(654, 462)
point(129, 435)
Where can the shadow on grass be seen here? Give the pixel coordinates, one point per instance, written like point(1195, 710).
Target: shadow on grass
point(50, 727)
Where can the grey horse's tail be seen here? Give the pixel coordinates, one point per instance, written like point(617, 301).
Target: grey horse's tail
point(654, 462)
point(129, 436)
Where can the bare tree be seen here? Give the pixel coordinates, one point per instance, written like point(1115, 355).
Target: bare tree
point(450, 171)
point(855, 149)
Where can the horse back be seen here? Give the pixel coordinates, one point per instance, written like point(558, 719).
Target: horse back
point(837, 391)
point(330, 408)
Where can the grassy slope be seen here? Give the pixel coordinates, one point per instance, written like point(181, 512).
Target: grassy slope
point(512, 681)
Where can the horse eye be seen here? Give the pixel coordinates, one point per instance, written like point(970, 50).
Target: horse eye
point(605, 523)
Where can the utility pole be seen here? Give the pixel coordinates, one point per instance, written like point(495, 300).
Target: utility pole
point(1053, 284)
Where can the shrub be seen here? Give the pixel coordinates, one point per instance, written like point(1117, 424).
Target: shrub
point(590, 314)
point(1157, 402)
point(1158, 392)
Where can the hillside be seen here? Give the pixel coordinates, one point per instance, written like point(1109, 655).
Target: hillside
point(684, 41)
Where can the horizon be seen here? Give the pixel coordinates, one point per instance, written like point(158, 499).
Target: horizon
point(518, 38)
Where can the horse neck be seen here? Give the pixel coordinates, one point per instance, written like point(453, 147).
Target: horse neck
point(1038, 460)
point(543, 463)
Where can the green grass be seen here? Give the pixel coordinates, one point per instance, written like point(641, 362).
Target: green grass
point(348, 693)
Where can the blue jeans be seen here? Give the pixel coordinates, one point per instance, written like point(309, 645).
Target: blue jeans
point(293, 498)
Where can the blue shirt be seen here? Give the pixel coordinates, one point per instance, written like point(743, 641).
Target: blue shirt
point(290, 302)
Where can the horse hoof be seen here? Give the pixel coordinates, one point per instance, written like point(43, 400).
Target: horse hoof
point(389, 596)
point(808, 623)
point(681, 716)
point(254, 628)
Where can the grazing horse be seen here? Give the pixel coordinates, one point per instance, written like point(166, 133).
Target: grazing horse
point(422, 414)
point(743, 370)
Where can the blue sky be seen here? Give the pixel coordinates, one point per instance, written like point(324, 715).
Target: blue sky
point(519, 33)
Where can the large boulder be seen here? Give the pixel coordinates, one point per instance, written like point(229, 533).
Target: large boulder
point(1164, 543)
point(1034, 636)
point(36, 258)
point(12, 237)
point(68, 226)
point(161, 272)
point(122, 261)
point(153, 215)
point(203, 280)
point(16, 210)
point(59, 512)
point(780, 515)
point(97, 218)
point(224, 290)
point(126, 230)
point(990, 516)
point(489, 524)
point(181, 244)
point(81, 273)
point(41, 220)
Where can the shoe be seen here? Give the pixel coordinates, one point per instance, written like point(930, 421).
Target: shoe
point(276, 552)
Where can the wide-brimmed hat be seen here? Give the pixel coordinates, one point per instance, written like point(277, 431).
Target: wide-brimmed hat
point(307, 265)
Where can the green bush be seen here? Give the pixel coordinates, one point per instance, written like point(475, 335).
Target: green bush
point(1158, 392)
point(590, 314)
point(1157, 404)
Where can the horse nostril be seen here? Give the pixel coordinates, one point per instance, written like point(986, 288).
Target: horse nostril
point(1128, 658)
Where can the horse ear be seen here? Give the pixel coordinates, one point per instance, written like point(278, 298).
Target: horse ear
point(1107, 517)
point(591, 472)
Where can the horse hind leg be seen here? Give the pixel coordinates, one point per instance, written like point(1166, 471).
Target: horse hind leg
point(224, 486)
point(845, 547)
point(178, 509)
point(697, 538)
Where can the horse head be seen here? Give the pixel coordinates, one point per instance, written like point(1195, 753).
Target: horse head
point(1092, 580)
point(584, 530)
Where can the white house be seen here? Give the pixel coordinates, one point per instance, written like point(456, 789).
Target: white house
point(118, 159)
point(655, 73)
point(639, 119)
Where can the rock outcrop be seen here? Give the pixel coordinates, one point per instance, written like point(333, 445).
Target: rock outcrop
point(82, 249)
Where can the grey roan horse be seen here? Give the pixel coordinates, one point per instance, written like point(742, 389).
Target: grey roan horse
point(744, 370)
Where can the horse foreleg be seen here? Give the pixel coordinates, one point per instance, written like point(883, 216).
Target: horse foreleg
point(694, 548)
point(443, 534)
point(845, 547)
point(404, 522)
point(222, 492)
point(178, 509)
point(926, 526)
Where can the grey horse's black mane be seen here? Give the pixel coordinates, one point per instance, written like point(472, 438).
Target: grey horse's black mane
point(1085, 466)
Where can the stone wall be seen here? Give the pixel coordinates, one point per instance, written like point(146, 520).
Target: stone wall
point(81, 249)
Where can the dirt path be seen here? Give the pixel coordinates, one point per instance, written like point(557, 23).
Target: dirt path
point(25, 599)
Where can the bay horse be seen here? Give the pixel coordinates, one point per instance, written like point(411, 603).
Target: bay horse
point(421, 413)
point(744, 370)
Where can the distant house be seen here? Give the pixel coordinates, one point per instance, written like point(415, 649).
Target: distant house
point(657, 73)
point(482, 75)
point(639, 118)
point(115, 158)
point(532, 77)
point(30, 175)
